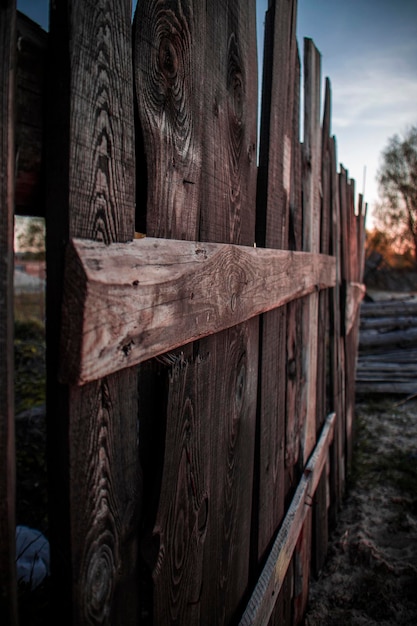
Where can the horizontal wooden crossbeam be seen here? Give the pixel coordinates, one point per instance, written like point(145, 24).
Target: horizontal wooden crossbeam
point(125, 303)
point(265, 594)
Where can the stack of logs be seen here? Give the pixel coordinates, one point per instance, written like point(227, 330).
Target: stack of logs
point(387, 359)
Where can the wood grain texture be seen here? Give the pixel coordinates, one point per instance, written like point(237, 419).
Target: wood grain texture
point(273, 208)
point(355, 292)
point(125, 303)
point(320, 526)
point(8, 591)
point(196, 85)
point(295, 411)
point(93, 454)
point(311, 223)
point(311, 168)
point(262, 601)
point(337, 350)
point(345, 263)
point(169, 77)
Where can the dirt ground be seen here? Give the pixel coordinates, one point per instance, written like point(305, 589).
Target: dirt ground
point(370, 576)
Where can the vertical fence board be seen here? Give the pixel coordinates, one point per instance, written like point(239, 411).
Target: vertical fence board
point(8, 595)
point(337, 352)
point(228, 214)
point(194, 65)
point(295, 403)
point(311, 221)
point(350, 355)
point(320, 516)
point(93, 460)
point(311, 242)
point(273, 201)
point(345, 275)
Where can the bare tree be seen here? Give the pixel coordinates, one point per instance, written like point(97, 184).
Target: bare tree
point(397, 179)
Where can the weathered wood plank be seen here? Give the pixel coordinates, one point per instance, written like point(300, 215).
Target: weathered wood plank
point(399, 356)
point(311, 223)
point(273, 208)
point(93, 457)
point(388, 323)
point(337, 350)
point(311, 173)
point(196, 83)
point(263, 598)
point(320, 518)
point(365, 365)
point(126, 303)
point(355, 292)
point(8, 590)
point(169, 72)
point(401, 338)
point(386, 387)
point(295, 412)
point(383, 309)
point(387, 374)
point(345, 263)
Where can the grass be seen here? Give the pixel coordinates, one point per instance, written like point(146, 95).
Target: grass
point(29, 307)
point(373, 463)
point(31, 475)
point(30, 371)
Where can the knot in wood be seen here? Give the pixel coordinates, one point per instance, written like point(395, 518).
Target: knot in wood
point(168, 59)
point(99, 583)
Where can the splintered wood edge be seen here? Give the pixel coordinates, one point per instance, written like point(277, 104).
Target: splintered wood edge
point(126, 303)
point(355, 295)
point(265, 594)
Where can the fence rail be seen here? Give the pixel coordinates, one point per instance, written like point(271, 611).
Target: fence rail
point(193, 473)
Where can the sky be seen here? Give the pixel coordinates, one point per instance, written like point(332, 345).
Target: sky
point(369, 52)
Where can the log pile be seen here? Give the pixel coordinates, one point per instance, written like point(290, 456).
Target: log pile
point(387, 358)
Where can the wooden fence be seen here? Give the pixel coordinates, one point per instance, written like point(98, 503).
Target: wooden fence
point(201, 379)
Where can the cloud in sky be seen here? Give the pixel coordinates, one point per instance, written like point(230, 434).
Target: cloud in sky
point(369, 51)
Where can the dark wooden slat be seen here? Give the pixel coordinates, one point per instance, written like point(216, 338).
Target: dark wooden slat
point(402, 338)
point(362, 210)
point(351, 313)
point(273, 205)
point(386, 387)
point(345, 279)
point(336, 366)
point(365, 364)
point(8, 591)
point(311, 222)
point(311, 181)
point(195, 64)
point(93, 459)
point(169, 73)
point(355, 293)
point(320, 517)
point(295, 406)
point(386, 374)
point(388, 323)
point(394, 308)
